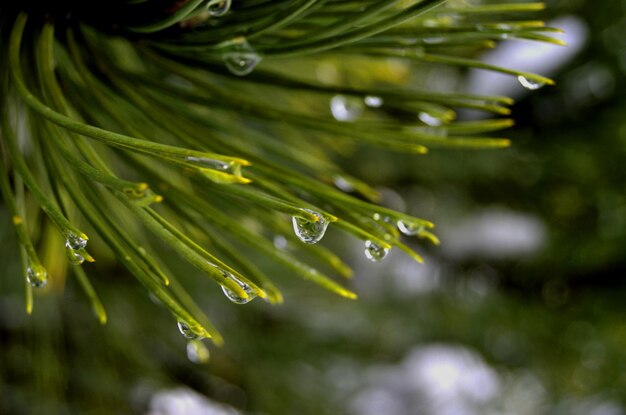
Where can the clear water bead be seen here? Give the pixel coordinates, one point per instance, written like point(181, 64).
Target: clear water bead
point(373, 101)
point(197, 352)
point(345, 108)
point(217, 8)
point(375, 252)
point(37, 276)
point(75, 242)
point(529, 83)
point(307, 231)
point(409, 228)
point(233, 296)
point(74, 257)
point(240, 58)
point(186, 331)
point(429, 119)
point(343, 184)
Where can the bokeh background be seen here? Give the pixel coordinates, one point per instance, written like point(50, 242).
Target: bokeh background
point(521, 309)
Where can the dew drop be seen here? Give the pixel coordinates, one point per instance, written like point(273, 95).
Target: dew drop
point(529, 83)
point(75, 242)
point(154, 299)
point(241, 58)
point(281, 242)
point(208, 162)
point(429, 119)
point(307, 231)
point(186, 331)
point(343, 184)
point(409, 228)
point(233, 296)
point(197, 352)
point(375, 252)
point(73, 257)
point(37, 276)
point(373, 101)
point(345, 108)
point(217, 8)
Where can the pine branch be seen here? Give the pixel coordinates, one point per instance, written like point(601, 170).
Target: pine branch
point(216, 106)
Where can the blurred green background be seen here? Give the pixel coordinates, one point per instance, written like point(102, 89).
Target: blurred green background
point(519, 311)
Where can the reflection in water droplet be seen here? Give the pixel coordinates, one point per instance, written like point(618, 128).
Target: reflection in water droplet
point(186, 331)
point(307, 231)
point(240, 58)
point(345, 108)
point(373, 101)
point(217, 8)
point(375, 252)
point(37, 276)
point(233, 296)
point(429, 119)
point(197, 352)
point(529, 83)
point(409, 228)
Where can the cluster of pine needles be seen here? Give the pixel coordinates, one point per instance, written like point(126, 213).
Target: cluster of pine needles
point(214, 126)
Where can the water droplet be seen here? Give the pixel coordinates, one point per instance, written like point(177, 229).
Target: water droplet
point(433, 40)
point(217, 8)
point(197, 352)
point(345, 108)
point(375, 252)
point(37, 276)
point(410, 228)
point(373, 101)
point(240, 58)
point(75, 242)
point(280, 242)
point(73, 257)
point(233, 296)
point(343, 184)
point(307, 231)
point(429, 119)
point(154, 299)
point(529, 83)
point(186, 331)
point(208, 162)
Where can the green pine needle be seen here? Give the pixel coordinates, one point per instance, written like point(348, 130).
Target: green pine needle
point(203, 125)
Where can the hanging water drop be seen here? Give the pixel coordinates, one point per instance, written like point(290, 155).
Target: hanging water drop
point(345, 108)
point(217, 8)
point(410, 228)
point(240, 58)
point(186, 331)
point(197, 352)
point(375, 252)
point(73, 257)
point(37, 276)
point(233, 296)
point(373, 101)
point(529, 83)
point(75, 242)
point(308, 231)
